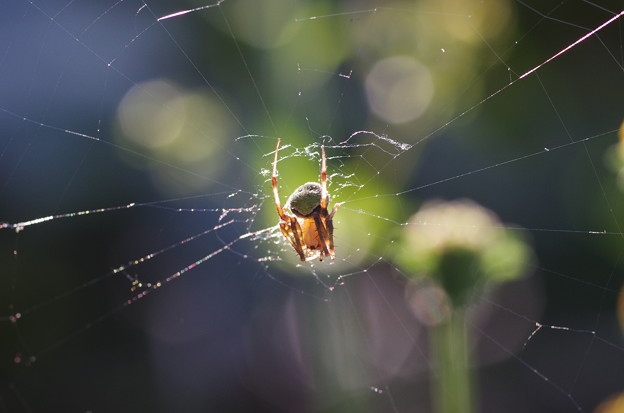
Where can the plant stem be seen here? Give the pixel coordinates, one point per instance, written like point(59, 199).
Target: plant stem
point(452, 392)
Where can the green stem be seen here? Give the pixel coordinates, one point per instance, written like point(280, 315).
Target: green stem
point(452, 391)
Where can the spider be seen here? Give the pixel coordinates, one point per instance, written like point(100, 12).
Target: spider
point(311, 230)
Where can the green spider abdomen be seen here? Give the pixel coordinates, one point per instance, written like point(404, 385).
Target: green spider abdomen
point(305, 199)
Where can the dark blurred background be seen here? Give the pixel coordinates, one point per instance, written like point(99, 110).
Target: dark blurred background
point(163, 130)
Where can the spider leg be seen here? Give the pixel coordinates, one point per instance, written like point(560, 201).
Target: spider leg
point(293, 235)
point(322, 234)
point(280, 211)
point(323, 179)
point(329, 225)
point(326, 231)
point(290, 227)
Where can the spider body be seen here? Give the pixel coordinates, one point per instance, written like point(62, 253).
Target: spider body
point(305, 199)
point(310, 230)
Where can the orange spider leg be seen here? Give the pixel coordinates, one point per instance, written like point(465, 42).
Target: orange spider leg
point(324, 185)
point(323, 180)
point(326, 231)
point(322, 234)
point(329, 224)
point(290, 227)
point(293, 236)
point(280, 211)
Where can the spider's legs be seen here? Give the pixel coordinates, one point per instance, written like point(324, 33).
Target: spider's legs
point(290, 227)
point(323, 235)
point(280, 211)
point(326, 231)
point(292, 232)
point(323, 179)
point(329, 223)
point(324, 185)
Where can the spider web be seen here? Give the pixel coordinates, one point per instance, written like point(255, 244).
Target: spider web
point(141, 267)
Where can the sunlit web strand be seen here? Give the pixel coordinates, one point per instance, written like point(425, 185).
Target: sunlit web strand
point(402, 147)
point(589, 159)
point(546, 16)
point(346, 13)
point(556, 55)
point(97, 19)
point(18, 226)
point(583, 38)
point(485, 168)
point(506, 227)
point(183, 12)
point(375, 10)
point(553, 57)
point(240, 53)
point(124, 76)
point(482, 101)
point(529, 367)
point(194, 264)
point(186, 56)
point(21, 225)
point(591, 3)
point(539, 326)
point(575, 279)
point(149, 289)
point(247, 69)
point(509, 161)
point(116, 146)
point(120, 270)
point(202, 76)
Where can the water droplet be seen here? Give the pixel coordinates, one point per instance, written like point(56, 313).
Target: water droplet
point(376, 390)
